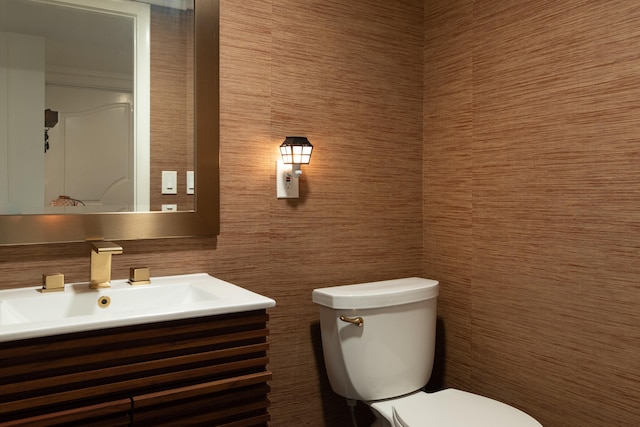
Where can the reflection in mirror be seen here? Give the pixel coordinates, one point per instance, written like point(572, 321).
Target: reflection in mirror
point(178, 111)
point(103, 70)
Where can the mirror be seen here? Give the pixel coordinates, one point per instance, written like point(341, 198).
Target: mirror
point(203, 217)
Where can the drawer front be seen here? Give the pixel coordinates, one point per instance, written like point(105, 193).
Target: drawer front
point(210, 356)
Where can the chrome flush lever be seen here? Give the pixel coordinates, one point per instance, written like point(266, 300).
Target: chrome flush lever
point(358, 321)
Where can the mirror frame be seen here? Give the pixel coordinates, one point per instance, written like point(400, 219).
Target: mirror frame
point(203, 221)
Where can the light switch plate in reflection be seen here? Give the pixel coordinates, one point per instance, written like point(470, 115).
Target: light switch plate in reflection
point(191, 187)
point(287, 185)
point(169, 182)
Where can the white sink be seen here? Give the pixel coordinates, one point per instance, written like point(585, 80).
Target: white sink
point(29, 313)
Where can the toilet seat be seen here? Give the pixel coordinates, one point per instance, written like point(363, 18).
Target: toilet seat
point(452, 408)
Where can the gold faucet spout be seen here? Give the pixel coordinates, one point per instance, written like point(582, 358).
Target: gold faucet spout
point(101, 263)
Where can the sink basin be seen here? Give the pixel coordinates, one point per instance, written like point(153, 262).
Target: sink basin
point(28, 313)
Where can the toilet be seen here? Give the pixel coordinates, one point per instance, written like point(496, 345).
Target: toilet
point(378, 341)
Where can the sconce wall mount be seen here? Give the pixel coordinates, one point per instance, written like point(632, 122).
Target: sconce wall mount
point(295, 151)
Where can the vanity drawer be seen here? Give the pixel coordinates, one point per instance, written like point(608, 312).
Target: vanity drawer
point(205, 367)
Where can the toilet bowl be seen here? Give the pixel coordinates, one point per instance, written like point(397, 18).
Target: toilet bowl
point(448, 408)
point(378, 341)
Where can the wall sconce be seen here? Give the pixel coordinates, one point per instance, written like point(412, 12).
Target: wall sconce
point(295, 151)
point(50, 121)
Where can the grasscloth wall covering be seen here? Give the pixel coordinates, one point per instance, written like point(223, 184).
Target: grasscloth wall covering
point(171, 103)
point(348, 75)
point(532, 202)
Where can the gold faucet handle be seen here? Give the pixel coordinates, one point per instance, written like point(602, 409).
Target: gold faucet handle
point(139, 276)
point(53, 282)
point(102, 247)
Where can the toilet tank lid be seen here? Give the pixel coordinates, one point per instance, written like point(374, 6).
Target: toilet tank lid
point(386, 293)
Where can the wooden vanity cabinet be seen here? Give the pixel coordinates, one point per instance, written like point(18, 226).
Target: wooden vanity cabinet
point(209, 371)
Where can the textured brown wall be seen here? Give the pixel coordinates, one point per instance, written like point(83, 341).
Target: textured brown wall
point(348, 75)
point(171, 101)
point(531, 211)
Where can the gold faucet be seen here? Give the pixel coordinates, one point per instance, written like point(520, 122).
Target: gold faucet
point(101, 263)
point(53, 282)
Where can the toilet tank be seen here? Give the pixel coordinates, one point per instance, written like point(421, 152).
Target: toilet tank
point(391, 353)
